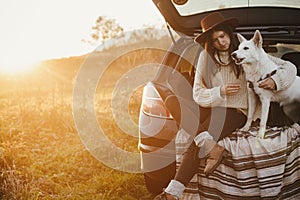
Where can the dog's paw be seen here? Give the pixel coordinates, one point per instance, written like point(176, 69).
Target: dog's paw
point(245, 128)
point(261, 134)
point(260, 137)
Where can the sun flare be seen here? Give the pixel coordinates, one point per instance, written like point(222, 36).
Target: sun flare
point(16, 67)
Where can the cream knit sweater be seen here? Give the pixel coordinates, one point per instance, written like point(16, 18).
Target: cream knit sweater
point(209, 97)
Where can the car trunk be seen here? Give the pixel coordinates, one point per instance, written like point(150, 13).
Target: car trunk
point(276, 23)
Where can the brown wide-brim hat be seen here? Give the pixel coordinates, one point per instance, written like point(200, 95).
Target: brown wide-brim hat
point(211, 21)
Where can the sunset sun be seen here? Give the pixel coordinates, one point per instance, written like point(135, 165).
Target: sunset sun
point(16, 66)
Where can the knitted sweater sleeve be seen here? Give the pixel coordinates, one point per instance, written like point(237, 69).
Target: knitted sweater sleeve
point(285, 74)
point(205, 97)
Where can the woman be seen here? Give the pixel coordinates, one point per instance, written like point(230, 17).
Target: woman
point(220, 88)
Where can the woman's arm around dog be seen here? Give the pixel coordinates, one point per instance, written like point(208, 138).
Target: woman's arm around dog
point(284, 76)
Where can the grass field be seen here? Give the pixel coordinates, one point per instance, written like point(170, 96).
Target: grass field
point(42, 155)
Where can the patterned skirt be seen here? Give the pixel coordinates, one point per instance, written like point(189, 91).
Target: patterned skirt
point(254, 168)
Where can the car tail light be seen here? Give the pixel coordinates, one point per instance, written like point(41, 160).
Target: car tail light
point(153, 105)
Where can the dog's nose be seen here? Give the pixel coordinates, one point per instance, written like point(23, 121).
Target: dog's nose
point(233, 55)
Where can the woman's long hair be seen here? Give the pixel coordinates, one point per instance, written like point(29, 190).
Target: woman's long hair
point(210, 65)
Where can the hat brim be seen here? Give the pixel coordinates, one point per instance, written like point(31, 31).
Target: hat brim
point(233, 22)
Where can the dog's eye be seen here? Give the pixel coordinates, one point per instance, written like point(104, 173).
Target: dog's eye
point(246, 48)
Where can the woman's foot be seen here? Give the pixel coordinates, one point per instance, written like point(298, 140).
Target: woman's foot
point(214, 158)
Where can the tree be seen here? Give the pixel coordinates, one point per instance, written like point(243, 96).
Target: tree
point(105, 28)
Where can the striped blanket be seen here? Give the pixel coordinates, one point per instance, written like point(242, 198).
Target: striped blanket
point(254, 168)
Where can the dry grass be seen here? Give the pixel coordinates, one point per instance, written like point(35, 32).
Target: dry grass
point(42, 156)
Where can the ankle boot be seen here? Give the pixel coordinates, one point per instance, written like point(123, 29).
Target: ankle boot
point(214, 158)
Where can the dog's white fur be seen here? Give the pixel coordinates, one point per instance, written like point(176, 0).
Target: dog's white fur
point(257, 65)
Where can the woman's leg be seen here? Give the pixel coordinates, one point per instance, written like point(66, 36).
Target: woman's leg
point(234, 120)
point(187, 169)
point(277, 116)
point(224, 121)
point(189, 165)
point(230, 119)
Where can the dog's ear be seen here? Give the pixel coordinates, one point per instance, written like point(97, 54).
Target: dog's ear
point(240, 37)
point(257, 39)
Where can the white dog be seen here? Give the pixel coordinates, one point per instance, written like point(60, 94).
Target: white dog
point(257, 66)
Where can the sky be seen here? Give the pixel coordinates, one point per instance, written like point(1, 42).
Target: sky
point(33, 30)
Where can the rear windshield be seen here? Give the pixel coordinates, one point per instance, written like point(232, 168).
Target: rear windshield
point(198, 6)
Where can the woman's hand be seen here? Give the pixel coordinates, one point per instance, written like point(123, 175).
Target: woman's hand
point(268, 83)
point(230, 89)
